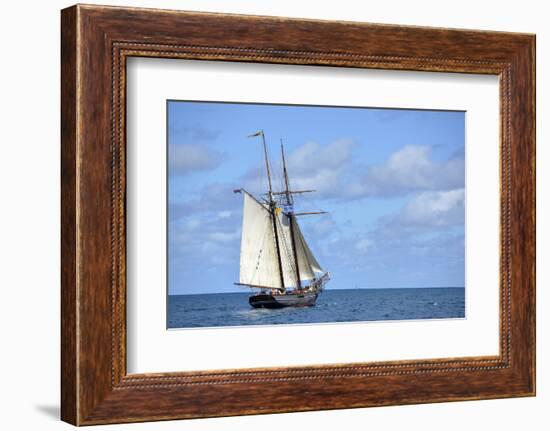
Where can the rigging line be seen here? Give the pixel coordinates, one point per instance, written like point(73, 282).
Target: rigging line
point(263, 176)
point(263, 180)
point(256, 286)
point(252, 197)
point(259, 255)
point(289, 200)
point(267, 163)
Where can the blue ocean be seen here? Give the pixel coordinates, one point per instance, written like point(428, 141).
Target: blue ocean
point(345, 305)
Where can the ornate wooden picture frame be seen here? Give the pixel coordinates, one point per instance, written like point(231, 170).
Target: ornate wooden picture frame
point(96, 41)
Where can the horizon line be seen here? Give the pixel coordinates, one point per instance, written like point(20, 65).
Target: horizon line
point(353, 288)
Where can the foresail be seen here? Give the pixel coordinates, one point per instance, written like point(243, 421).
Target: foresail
point(307, 264)
point(305, 255)
point(259, 262)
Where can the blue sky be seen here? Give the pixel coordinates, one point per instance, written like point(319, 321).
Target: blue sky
point(391, 180)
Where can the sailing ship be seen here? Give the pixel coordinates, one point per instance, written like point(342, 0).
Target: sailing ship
point(275, 257)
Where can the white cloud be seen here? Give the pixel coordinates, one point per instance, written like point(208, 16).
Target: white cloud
point(204, 237)
point(215, 198)
point(323, 227)
point(435, 206)
point(410, 169)
point(443, 208)
point(224, 237)
point(311, 166)
point(312, 154)
point(430, 210)
point(195, 132)
point(186, 158)
point(319, 167)
point(363, 245)
point(191, 224)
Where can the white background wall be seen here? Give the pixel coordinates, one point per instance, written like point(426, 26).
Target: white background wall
point(29, 215)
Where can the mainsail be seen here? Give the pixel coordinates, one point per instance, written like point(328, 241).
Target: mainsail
point(259, 262)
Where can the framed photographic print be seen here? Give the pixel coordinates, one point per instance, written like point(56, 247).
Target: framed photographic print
point(268, 215)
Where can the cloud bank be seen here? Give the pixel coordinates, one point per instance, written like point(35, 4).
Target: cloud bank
point(428, 222)
point(187, 158)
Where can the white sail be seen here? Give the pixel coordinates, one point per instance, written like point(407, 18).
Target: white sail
point(259, 262)
point(307, 264)
point(305, 255)
point(286, 250)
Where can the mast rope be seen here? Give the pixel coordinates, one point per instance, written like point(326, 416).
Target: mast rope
point(257, 266)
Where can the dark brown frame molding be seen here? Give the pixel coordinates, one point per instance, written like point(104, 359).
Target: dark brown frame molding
point(95, 43)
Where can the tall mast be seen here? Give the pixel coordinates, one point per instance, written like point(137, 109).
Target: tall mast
point(287, 187)
point(261, 133)
point(272, 206)
point(274, 219)
point(291, 220)
point(267, 167)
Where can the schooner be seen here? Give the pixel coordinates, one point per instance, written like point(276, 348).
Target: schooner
point(275, 257)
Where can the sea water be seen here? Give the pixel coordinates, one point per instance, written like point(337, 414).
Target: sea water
point(337, 305)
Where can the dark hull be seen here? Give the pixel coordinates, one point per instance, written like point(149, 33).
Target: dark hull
point(281, 301)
